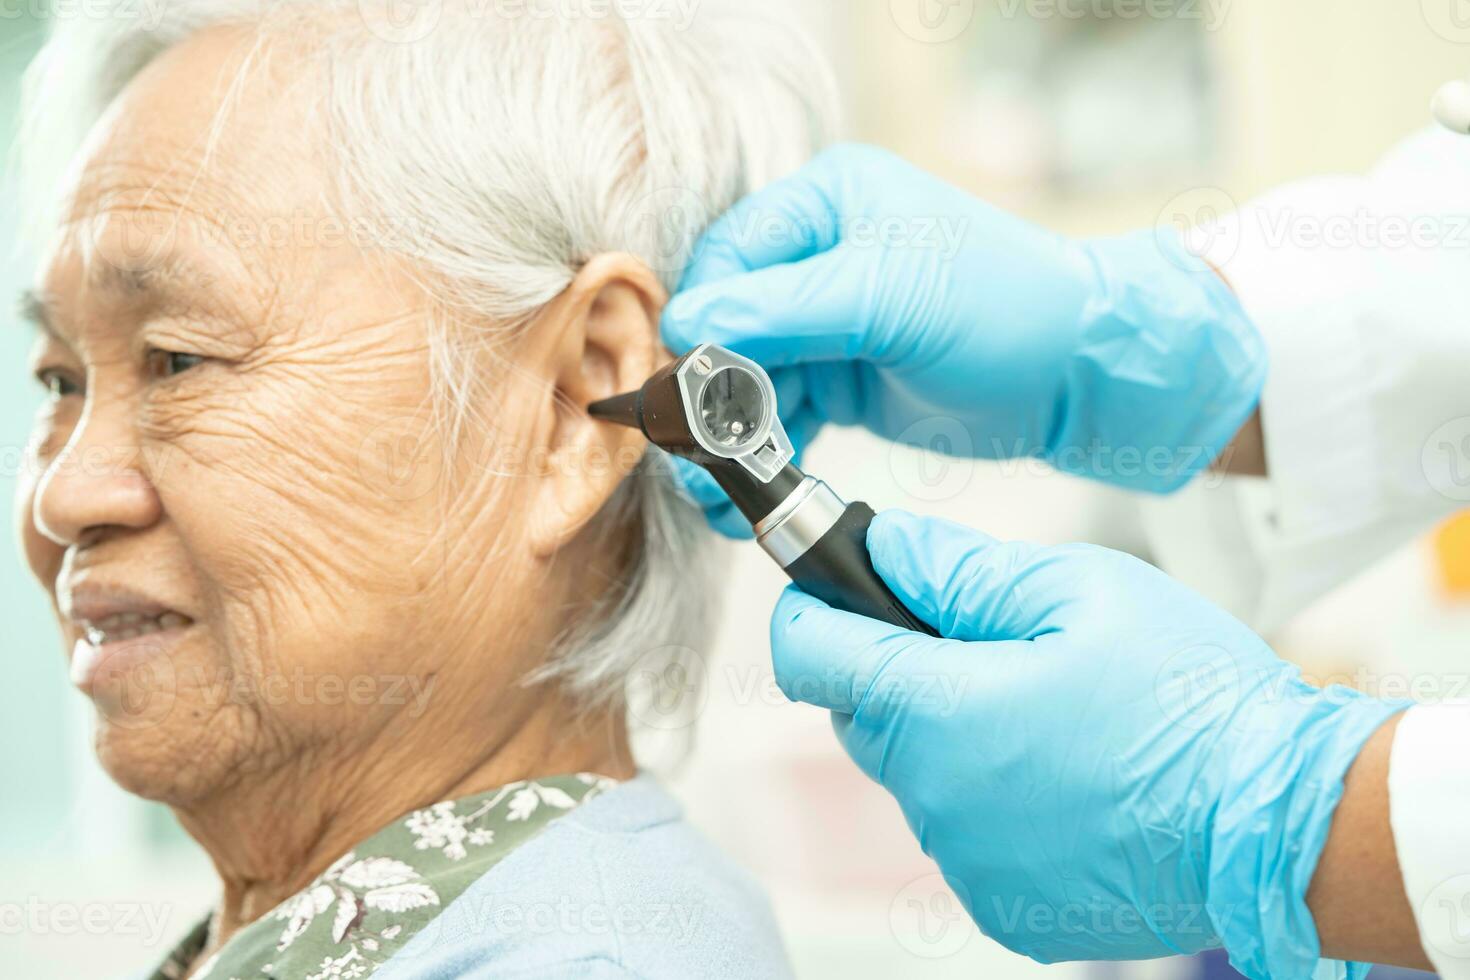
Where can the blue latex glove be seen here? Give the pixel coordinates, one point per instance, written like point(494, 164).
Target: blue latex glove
point(1103, 764)
point(877, 295)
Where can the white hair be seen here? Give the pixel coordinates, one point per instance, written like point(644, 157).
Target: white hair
point(506, 143)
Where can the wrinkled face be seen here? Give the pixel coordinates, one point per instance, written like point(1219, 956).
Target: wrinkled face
point(238, 502)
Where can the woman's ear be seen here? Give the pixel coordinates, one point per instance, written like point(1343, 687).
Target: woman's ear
point(599, 338)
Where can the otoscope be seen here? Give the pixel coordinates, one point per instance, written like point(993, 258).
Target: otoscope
point(718, 410)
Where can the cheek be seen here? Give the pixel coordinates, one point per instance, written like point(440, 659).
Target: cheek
point(306, 502)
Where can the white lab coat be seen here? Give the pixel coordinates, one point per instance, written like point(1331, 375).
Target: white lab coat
point(1361, 286)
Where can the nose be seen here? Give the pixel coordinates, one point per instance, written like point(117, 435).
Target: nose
point(96, 485)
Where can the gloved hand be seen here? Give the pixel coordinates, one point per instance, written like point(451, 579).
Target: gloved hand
point(1102, 763)
point(879, 296)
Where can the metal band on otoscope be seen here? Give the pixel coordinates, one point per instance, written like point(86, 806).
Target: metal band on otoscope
point(801, 520)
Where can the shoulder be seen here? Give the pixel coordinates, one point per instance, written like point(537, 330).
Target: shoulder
point(623, 886)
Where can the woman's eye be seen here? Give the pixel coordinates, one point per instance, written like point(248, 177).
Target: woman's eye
point(58, 384)
point(166, 364)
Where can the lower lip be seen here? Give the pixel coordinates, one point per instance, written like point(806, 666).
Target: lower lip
point(119, 658)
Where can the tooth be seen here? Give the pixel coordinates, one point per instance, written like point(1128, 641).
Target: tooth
point(171, 621)
point(129, 618)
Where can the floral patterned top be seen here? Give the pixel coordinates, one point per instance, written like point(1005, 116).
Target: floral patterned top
point(374, 899)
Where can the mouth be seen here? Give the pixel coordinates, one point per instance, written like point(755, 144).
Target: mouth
point(117, 631)
point(129, 625)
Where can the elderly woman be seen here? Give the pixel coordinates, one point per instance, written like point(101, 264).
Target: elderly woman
point(352, 579)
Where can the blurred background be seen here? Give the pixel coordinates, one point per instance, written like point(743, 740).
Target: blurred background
point(1090, 116)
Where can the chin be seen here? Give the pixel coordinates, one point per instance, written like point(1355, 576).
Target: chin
point(178, 752)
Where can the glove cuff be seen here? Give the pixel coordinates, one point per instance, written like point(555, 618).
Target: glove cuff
point(1269, 829)
point(1167, 369)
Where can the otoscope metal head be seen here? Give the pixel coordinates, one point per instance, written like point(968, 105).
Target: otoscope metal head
point(718, 409)
point(712, 407)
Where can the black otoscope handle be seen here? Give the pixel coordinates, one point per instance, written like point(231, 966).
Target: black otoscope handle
point(821, 541)
point(838, 570)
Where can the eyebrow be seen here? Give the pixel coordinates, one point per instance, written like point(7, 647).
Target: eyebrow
point(152, 281)
point(36, 311)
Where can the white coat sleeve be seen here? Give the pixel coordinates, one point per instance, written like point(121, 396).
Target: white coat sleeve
point(1361, 288)
point(1429, 807)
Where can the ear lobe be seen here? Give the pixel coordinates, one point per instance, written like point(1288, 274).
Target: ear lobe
point(604, 341)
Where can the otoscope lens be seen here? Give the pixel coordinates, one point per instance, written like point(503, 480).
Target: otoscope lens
point(732, 407)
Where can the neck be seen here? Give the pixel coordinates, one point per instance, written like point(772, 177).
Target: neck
point(271, 837)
